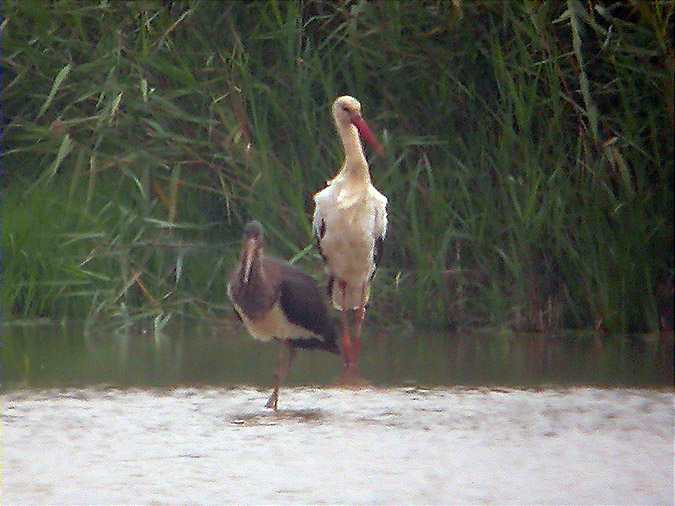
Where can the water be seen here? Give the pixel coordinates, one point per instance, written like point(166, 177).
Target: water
point(190, 354)
point(110, 418)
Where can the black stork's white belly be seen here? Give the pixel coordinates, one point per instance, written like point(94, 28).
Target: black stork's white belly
point(273, 324)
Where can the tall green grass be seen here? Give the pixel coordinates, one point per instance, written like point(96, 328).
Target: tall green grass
point(528, 155)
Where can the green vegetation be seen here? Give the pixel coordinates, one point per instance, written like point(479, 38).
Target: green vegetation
point(528, 167)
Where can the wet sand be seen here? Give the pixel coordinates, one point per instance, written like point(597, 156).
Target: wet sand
point(329, 445)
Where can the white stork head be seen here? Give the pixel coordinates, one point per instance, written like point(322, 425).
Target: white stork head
point(347, 112)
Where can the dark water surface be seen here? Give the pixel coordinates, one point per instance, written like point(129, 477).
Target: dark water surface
point(222, 355)
point(107, 418)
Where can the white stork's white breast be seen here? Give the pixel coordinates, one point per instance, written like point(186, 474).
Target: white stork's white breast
point(352, 223)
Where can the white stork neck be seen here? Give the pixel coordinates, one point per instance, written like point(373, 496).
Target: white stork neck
point(355, 166)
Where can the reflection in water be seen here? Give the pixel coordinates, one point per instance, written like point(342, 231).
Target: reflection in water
point(279, 416)
point(200, 354)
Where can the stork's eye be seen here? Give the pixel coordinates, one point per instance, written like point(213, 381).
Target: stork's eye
point(345, 108)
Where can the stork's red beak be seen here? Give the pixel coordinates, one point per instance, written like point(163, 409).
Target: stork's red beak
point(367, 134)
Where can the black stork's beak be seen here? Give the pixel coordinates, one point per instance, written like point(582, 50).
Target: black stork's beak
point(248, 254)
point(253, 239)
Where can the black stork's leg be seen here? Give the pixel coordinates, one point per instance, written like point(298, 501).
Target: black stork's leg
point(346, 340)
point(283, 366)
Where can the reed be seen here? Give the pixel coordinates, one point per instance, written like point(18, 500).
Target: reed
point(528, 166)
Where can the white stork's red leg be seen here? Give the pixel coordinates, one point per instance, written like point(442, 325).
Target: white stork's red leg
point(283, 366)
point(346, 340)
point(360, 316)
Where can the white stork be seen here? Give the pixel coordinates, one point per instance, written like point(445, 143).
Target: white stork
point(350, 223)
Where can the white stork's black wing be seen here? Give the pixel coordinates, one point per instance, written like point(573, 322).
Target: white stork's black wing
point(319, 229)
point(379, 233)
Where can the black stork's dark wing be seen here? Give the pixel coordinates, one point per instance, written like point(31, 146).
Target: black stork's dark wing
point(303, 305)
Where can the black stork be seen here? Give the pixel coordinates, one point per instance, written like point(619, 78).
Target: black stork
point(350, 224)
point(276, 300)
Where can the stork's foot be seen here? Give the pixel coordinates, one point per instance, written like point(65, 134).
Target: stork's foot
point(272, 401)
point(351, 377)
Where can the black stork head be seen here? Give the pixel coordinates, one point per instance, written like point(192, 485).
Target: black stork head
point(251, 249)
